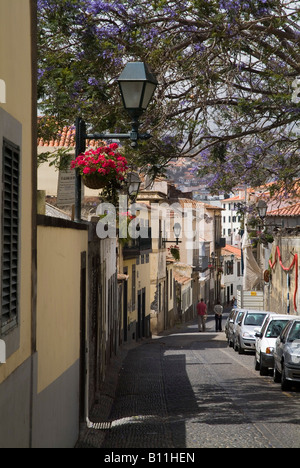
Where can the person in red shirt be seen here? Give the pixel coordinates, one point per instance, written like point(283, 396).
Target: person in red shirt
point(202, 314)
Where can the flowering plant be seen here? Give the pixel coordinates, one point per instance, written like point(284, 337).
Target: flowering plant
point(104, 162)
point(174, 251)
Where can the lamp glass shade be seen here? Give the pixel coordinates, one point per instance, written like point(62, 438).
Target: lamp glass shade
point(132, 94)
point(177, 230)
point(148, 94)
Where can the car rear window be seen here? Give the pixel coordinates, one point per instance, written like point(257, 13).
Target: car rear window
point(254, 319)
point(275, 328)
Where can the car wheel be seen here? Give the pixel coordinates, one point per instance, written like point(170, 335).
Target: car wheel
point(256, 364)
point(276, 375)
point(285, 384)
point(241, 351)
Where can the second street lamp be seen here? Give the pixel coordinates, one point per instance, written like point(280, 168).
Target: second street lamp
point(133, 185)
point(262, 209)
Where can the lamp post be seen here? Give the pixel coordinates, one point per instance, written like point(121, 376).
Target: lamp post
point(137, 86)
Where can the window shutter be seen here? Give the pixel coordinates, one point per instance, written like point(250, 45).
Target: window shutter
point(10, 236)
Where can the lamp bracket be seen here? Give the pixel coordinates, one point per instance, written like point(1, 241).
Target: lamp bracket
point(171, 242)
point(134, 135)
point(118, 136)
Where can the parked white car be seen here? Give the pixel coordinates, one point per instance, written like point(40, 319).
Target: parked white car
point(245, 338)
point(266, 340)
point(228, 322)
point(233, 320)
point(287, 355)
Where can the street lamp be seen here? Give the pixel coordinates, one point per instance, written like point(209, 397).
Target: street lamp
point(262, 209)
point(216, 262)
point(133, 185)
point(177, 231)
point(137, 86)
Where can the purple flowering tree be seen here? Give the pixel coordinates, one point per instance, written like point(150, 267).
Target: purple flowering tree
point(225, 68)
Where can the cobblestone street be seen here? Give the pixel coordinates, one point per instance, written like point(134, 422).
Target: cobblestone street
point(189, 390)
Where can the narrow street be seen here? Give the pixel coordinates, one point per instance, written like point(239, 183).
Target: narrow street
point(189, 390)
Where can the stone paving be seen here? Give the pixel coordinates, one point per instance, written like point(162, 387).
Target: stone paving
point(183, 390)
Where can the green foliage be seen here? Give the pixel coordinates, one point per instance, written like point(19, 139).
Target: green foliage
point(225, 69)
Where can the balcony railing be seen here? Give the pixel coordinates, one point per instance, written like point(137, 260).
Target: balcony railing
point(202, 264)
point(137, 246)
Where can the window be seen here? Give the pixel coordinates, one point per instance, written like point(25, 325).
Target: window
point(254, 319)
point(228, 268)
point(10, 237)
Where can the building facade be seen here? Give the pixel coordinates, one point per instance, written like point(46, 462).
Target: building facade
point(18, 231)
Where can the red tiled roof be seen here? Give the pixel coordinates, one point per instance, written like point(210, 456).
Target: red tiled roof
point(237, 197)
point(293, 210)
point(181, 279)
point(66, 138)
point(230, 249)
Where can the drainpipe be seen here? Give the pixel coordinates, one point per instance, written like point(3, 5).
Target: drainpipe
point(288, 292)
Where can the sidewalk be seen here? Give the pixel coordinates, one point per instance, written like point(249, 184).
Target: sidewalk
point(93, 438)
point(101, 412)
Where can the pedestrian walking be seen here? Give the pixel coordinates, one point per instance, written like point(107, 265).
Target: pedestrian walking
point(202, 314)
point(218, 310)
